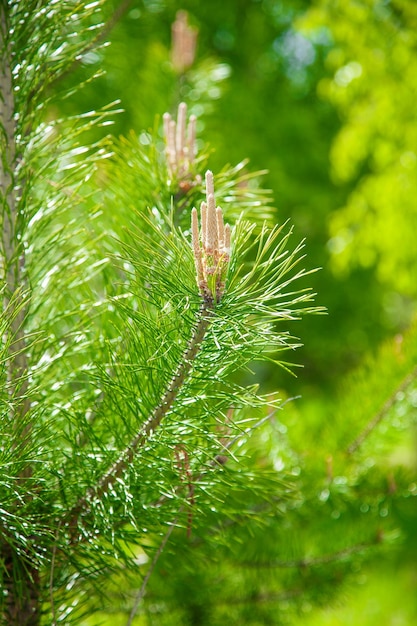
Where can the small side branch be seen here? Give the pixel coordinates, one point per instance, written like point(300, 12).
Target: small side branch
point(149, 573)
point(381, 413)
point(152, 423)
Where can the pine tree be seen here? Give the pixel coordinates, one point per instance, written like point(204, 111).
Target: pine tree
point(146, 476)
point(127, 318)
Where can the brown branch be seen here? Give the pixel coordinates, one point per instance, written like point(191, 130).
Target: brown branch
point(151, 424)
point(381, 413)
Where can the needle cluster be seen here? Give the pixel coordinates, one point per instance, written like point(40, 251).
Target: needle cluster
point(211, 246)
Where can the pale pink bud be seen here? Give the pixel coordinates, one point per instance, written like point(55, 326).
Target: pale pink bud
point(181, 127)
point(184, 40)
point(203, 211)
point(209, 184)
point(196, 246)
point(212, 236)
point(220, 226)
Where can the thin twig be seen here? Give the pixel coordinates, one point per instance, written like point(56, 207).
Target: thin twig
point(381, 413)
point(150, 571)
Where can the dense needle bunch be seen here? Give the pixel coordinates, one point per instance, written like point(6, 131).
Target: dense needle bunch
point(180, 142)
point(211, 247)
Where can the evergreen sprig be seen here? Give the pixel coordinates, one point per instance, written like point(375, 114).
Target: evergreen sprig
point(121, 410)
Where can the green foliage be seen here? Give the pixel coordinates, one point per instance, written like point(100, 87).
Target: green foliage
point(371, 81)
point(154, 470)
point(121, 383)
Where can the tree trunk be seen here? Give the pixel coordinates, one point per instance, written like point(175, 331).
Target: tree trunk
point(20, 581)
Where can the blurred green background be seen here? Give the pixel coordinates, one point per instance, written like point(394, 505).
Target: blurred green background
point(323, 96)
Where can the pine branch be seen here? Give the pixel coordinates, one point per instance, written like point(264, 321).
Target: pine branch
point(261, 598)
point(219, 459)
point(153, 422)
point(315, 561)
point(382, 413)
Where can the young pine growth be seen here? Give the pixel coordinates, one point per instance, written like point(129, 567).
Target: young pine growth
point(119, 394)
point(184, 42)
point(180, 142)
point(211, 246)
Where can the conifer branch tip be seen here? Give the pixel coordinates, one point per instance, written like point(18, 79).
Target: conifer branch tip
point(211, 246)
point(180, 144)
